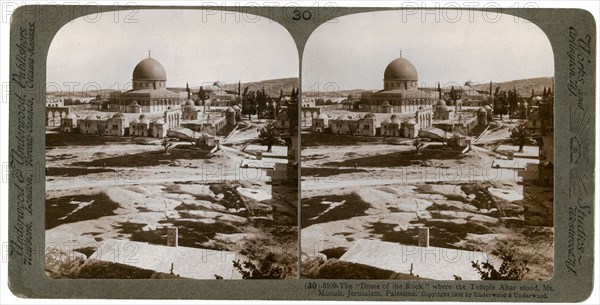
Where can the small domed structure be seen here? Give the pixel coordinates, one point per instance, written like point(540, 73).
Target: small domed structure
point(487, 107)
point(159, 121)
point(322, 116)
point(118, 115)
point(71, 115)
point(370, 115)
point(441, 106)
point(236, 108)
point(191, 108)
point(190, 102)
point(481, 110)
point(342, 116)
point(90, 117)
point(469, 83)
point(217, 84)
point(135, 121)
point(134, 103)
point(394, 118)
point(229, 110)
point(411, 122)
point(385, 103)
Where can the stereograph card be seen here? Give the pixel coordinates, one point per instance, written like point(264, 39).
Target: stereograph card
point(334, 153)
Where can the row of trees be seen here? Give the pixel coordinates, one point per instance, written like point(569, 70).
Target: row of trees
point(505, 103)
point(510, 103)
point(255, 103)
point(454, 95)
point(260, 104)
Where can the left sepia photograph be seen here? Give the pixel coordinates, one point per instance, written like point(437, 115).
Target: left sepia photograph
point(171, 147)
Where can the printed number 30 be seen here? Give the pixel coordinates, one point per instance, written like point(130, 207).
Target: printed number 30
point(297, 15)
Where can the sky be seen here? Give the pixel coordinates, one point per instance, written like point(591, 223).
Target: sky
point(192, 46)
point(353, 52)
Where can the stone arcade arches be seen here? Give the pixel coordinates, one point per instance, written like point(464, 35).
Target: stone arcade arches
point(424, 119)
point(54, 115)
point(308, 114)
point(172, 119)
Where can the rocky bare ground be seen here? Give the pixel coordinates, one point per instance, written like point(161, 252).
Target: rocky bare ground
point(111, 188)
point(459, 215)
point(373, 188)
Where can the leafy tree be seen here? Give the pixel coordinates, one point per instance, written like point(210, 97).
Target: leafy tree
point(101, 129)
point(509, 269)
point(269, 135)
point(497, 106)
point(418, 144)
point(294, 96)
point(167, 144)
point(521, 136)
point(505, 103)
point(353, 128)
point(514, 101)
point(544, 92)
point(511, 100)
point(201, 94)
point(453, 94)
point(501, 103)
point(267, 269)
point(261, 102)
point(248, 103)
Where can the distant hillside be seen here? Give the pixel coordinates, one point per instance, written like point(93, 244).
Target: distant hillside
point(79, 94)
point(523, 86)
point(332, 94)
point(272, 86)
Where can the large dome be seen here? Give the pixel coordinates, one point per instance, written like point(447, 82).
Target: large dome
point(149, 69)
point(400, 69)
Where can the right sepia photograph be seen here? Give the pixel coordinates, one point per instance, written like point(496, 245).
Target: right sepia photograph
point(427, 148)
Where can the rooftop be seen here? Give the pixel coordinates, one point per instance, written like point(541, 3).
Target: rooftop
point(187, 262)
point(426, 262)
